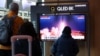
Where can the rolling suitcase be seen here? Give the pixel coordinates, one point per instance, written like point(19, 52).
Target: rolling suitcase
point(14, 38)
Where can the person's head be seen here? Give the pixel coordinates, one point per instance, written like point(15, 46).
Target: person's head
point(14, 7)
point(67, 30)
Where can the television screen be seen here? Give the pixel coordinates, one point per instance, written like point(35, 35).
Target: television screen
point(51, 26)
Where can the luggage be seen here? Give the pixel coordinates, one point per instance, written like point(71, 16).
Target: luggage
point(14, 38)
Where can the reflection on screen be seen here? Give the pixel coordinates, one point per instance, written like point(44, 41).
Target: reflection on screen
point(51, 26)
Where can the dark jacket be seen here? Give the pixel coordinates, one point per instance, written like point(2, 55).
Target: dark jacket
point(65, 46)
point(21, 46)
point(17, 23)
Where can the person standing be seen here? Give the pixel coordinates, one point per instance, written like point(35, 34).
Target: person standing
point(21, 45)
point(65, 45)
point(5, 50)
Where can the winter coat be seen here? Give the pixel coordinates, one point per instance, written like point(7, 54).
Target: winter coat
point(65, 46)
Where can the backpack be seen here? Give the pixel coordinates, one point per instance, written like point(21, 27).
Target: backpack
point(6, 30)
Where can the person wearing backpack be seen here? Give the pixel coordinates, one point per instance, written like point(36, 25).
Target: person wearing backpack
point(5, 50)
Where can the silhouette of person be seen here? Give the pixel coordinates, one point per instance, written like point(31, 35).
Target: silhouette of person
point(5, 50)
point(65, 45)
point(21, 46)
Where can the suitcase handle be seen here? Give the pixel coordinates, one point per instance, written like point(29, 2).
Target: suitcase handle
point(14, 38)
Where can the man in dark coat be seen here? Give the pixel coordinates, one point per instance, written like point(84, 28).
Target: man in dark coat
point(65, 45)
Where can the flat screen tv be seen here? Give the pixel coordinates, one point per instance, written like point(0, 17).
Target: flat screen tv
point(51, 26)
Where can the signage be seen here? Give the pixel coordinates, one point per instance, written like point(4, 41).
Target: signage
point(65, 8)
point(68, 8)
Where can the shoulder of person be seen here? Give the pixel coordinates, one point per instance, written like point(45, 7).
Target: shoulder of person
point(19, 17)
point(19, 20)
